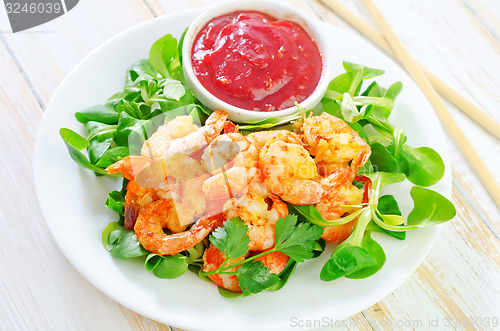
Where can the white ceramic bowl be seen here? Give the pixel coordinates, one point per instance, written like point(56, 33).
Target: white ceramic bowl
point(280, 11)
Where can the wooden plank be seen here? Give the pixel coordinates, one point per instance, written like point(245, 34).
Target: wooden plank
point(459, 53)
point(160, 7)
point(486, 145)
point(55, 296)
point(60, 44)
point(445, 117)
point(138, 322)
point(476, 196)
point(486, 14)
point(439, 85)
point(460, 278)
point(466, 266)
point(419, 291)
point(39, 289)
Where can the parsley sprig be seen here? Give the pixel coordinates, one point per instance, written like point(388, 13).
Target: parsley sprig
point(297, 241)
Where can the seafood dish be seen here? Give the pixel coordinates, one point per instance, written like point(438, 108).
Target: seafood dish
point(245, 203)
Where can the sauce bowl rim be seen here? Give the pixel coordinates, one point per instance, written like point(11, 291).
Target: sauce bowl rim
point(279, 11)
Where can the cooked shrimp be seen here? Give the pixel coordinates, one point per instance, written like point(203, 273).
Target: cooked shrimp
point(136, 198)
point(181, 167)
point(330, 203)
point(213, 259)
point(178, 167)
point(229, 148)
point(177, 176)
point(233, 160)
point(183, 171)
point(158, 144)
point(331, 140)
point(199, 138)
point(327, 168)
point(275, 261)
point(155, 216)
point(290, 172)
point(228, 184)
point(193, 196)
point(258, 186)
point(259, 215)
point(165, 213)
point(337, 177)
point(260, 138)
point(330, 208)
point(129, 166)
point(339, 233)
point(230, 127)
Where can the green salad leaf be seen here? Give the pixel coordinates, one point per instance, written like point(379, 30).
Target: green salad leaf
point(100, 137)
point(375, 252)
point(298, 241)
point(232, 238)
point(350, 256)
point(346, 261)
point(423, 166)
point(382, 159)
point(360, 256)
point(106, 232)
point(387, 205)
point(124, 245)
point(285, 275)
point(116, 202)
point(112, 155)
point(164, 57)
point(173, 266)
point(358, 74)
point(170, 266)
point(254, 277)
point(140, 71)
point(99, 113)
point(430, 208)
point(153, 92)
point(75, 143)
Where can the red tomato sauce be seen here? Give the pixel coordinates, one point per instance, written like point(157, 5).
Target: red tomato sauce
point(254, 61)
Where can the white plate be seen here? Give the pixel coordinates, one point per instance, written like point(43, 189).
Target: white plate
point(72, 202)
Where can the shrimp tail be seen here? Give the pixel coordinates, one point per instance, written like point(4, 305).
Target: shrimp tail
point(131, 211)
point(129, 166)
point(298, 192)
point(166, 213)
point(230, 127)
point(367, 187)
point(179, 242)
point(338, 177)
point(135, 199)
point(213, 258)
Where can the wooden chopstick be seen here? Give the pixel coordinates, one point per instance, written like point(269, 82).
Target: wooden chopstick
point(445, 90)
point(447, 121)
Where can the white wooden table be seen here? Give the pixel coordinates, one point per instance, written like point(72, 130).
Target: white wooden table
point(457, 39)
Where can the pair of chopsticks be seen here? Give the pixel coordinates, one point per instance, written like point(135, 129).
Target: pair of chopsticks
point(457, 99)
point(428, 83)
